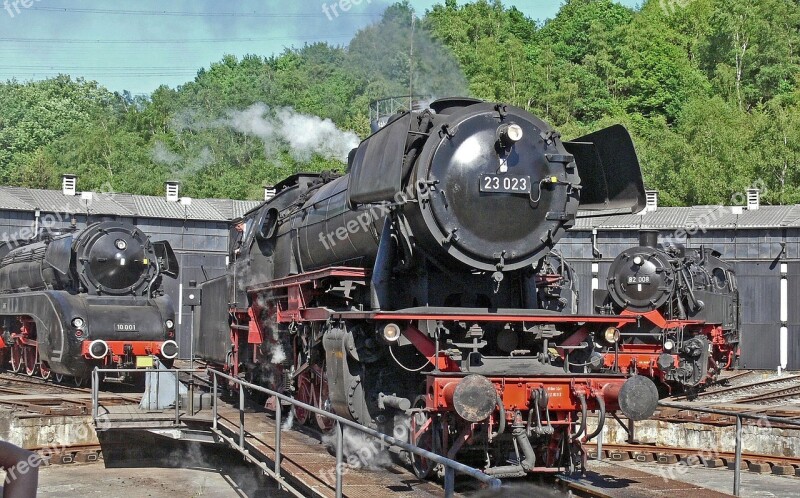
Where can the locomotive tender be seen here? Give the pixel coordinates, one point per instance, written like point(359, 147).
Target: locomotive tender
point(687, 306)
point(71, 300)
point(420, 288)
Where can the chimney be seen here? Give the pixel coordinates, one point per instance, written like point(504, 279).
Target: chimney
point(753, 199)
point(651, 200)
point(68, 184)
point(269, 192)
point(173, 189)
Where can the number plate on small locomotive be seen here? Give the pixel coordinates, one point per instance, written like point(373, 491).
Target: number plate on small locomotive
point(125, 327)
point(144, 362)
point(508, 184)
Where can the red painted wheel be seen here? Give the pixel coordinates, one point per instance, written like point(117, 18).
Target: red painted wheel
point(16, 358)
point(424, 433)
point(305, 394)
point(44, 370)
point(323, 402)
point(30, 360)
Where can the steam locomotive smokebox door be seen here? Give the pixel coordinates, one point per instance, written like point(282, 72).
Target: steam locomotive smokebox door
point(192, 296)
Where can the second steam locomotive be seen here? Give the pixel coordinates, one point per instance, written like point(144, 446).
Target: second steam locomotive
point(419, 289)
point(71, 300)
point(686, 304)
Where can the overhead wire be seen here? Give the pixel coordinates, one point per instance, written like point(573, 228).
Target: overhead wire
point(284, 15)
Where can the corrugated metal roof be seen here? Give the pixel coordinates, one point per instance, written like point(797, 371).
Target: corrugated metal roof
point(16, 199)
point(232, 209)
point(114, 204)
point(711, 217)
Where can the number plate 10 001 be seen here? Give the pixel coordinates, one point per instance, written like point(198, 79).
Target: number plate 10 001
point(509, 184)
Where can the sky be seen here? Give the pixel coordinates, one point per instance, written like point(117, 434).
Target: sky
point(137, 46)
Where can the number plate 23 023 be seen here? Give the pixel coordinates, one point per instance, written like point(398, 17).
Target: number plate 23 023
point(509, 184)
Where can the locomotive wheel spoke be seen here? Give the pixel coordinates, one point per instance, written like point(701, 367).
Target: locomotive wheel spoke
point(323, 402)
point(423, 434)
point(44, 370)
point(30, 355)
point(16, 358)
point(59, 378)
point(305, 395)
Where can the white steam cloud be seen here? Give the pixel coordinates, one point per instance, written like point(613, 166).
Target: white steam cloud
point(303, 134)
point(161, 154)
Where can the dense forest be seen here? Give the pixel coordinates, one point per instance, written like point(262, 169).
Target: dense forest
point(710, 90)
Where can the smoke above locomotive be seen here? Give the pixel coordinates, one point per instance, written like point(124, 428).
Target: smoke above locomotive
point(476, 185)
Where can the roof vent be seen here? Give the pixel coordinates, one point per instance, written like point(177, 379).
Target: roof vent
point(651, 200)
point(68, 184)
point(173, 191)
point(269, 192)
point(753, 199)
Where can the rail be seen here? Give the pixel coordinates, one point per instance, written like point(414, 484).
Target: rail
point(737, 465)
point(451, 466)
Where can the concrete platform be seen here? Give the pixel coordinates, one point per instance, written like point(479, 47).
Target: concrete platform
point(162, 469)
point(718, 480)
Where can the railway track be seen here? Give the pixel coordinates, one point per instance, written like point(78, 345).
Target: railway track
point(647, 453)
point(38, 397)
point(67, 454)
point(10, 381)
point(734, 392)
point(775, 396)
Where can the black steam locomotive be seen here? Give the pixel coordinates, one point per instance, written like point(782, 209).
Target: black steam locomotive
point(419, 289)
point(687, 308)
point(73, 299)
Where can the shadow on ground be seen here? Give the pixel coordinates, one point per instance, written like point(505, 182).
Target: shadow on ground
point(139, 449)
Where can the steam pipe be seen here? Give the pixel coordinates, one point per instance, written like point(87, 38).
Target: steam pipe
point(524, 443)
point(392, 401)
point(501, 424)
point(601, 419)
point(580, 431)
point(693, 299)
point(381, 271)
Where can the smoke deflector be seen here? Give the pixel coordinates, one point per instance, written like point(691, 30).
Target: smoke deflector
point(611, 177)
